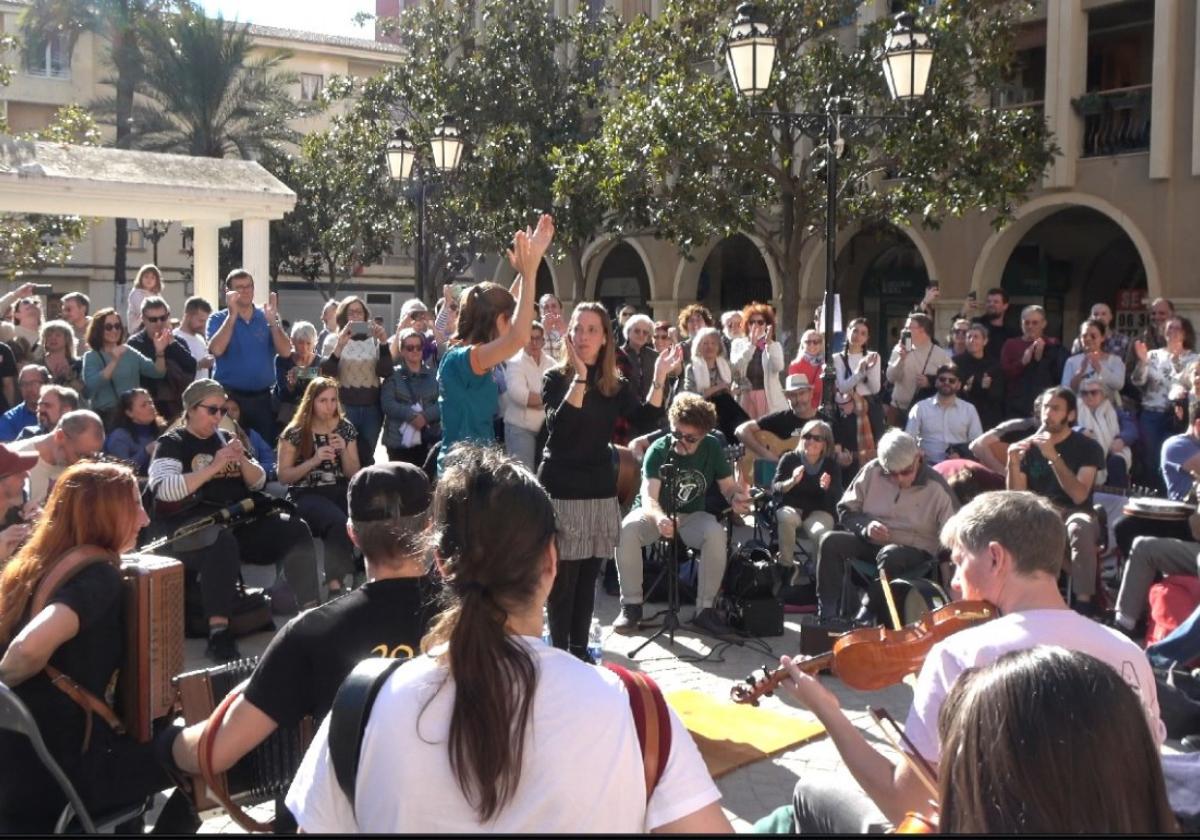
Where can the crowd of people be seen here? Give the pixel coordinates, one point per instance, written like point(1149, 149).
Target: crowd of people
point(976, 460)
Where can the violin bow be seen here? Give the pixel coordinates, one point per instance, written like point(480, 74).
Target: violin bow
point(890, 598)
point(911, 755)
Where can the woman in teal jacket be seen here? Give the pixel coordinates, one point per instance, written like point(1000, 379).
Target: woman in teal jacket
point(112, 367)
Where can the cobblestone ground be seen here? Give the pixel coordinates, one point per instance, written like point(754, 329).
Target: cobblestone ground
point(749, 792)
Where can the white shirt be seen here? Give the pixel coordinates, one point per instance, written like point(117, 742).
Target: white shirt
point(936, 426)
point(987, 642)
point(198, 348)
point(523, 376)
point(864, 384)
point(582, 772)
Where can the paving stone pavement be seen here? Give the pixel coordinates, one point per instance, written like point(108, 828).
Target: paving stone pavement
point(750, 792)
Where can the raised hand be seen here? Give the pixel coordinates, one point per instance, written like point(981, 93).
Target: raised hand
point(544, 234)
point(119, 351)
point(162, 341)
point(1141, 350)
point(574, 360)
point(271, 310)
point(666, 361)
point(798, 473)
point(826, 480)
point(233, 299)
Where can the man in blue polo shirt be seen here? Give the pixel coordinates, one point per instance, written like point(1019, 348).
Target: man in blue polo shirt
point(245, 347)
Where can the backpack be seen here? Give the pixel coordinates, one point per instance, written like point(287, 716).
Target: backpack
point(1172, 601)
point(352, 709)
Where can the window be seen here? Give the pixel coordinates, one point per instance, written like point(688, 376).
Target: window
point(48, 56)
point(135, 240)
point(310, 86)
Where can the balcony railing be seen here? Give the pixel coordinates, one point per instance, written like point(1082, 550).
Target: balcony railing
point(1115, 121)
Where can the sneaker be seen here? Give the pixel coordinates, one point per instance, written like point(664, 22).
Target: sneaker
point(221, 647)
point(629, 619)
point(707, 621)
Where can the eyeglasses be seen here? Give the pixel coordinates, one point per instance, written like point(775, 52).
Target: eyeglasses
point(155, 319)
point(214, 410)
point(688, 439)
point(909, 470)
point(412, 348)
point(960, 332)
point(813, 437)
point(1090, 392)
point(113, 326)
point(812, 341)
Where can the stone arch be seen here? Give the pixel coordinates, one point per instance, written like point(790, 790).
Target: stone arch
point(996, 251)
point(812, 288)
point(687, 274)
point(595, 254)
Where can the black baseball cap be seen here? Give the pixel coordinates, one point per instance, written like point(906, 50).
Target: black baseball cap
point(383, 491)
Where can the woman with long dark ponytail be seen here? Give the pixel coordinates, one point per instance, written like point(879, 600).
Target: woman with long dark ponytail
point(483, 732)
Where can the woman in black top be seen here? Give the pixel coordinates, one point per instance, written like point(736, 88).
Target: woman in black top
point(982, 378)
point(583, 399)
point(809, 479)
point(81, 632)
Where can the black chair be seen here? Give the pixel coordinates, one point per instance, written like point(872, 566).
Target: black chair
point(16, 717)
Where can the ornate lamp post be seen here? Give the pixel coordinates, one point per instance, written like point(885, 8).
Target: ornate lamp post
point(445, 148)
point(154, 230)
point(907, 57)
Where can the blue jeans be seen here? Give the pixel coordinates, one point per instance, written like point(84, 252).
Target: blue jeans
point(521, 444)
point(1180, 645)
point(368, 420)
point(1156, 428)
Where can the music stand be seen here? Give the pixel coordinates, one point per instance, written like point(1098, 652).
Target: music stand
point(670, 615)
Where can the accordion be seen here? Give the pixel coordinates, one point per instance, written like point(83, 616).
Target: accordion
point(262, 774)
point(153, 640)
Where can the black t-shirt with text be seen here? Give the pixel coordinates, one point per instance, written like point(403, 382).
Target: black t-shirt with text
point(1077, 451)
point(301, 669)
point(195, 454)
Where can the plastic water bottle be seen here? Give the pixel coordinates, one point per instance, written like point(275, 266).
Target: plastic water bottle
point(595, 646)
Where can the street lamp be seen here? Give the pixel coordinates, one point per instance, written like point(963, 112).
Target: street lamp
point(446, 148)
point(153, 230)
point(750, 49)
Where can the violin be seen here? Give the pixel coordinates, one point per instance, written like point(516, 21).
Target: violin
point(872, 658)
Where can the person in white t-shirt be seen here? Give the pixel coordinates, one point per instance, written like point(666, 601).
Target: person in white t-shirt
point(491, 729)
point(1007, 548)
point(191, 330)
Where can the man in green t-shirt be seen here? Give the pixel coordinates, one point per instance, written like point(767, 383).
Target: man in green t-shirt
point(686, 461)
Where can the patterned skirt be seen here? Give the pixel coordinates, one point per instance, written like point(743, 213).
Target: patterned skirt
point(587, 527)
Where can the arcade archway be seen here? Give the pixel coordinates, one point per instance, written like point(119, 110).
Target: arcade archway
point(623, 279)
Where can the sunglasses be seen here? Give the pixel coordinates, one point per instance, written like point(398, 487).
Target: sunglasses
point(759, 321)
point(113, 326)
point(1090, 392)
point(155, 319)
point(909, 470)
point(412, 348)
point(662, 337)
point(214, 410)
point(813, 437)
point(688, 439)
point(812, 341)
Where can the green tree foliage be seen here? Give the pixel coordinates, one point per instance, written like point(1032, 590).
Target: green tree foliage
point(31, 242)
point(680, 156)
point(346, 210)
point(204, 93)
point(524, 86)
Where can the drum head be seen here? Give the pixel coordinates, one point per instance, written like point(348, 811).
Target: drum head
point(922, 597)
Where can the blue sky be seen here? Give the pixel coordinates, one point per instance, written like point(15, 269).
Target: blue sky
point(331, 17)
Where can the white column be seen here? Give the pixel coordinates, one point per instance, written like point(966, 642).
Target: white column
point(1162, 94)
point(205, 264)
point(256, 250)
point(1066, 60)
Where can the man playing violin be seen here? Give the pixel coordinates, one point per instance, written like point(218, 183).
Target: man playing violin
point(1007, 548)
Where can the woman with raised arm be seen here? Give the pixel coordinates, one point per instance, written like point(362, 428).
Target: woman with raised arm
point(758, 359)
point(583, 399)
point(493, 324)
point(79, 632)
point(497, 731)
point(317, 459)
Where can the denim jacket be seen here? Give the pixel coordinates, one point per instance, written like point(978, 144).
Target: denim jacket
point(397, 395)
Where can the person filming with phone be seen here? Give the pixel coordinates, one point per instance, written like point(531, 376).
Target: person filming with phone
point(913, 366)
point(360, 361)
point(294, 372)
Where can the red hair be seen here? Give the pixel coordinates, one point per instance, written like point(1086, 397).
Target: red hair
point(763, 309)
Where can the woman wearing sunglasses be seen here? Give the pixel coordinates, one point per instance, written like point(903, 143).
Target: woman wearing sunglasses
point(111, 367)
point(200, 469)
point(758, 359)
point(810, 484)
point(412, 417)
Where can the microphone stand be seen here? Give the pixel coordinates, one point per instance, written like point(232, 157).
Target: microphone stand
point(668, 499)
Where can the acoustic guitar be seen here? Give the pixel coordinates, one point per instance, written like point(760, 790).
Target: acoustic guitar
point(773, 443)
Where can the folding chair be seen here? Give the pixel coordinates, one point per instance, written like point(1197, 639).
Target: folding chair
point(16, 717)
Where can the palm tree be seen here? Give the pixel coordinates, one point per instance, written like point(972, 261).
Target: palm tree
point(202, 93)
point(121, 24)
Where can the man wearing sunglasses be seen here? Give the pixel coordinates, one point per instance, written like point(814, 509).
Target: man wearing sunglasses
point(181, 364)
point(694, 460)
point(893, 512)
point(943, 424)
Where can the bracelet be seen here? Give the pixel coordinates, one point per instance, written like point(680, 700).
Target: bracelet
point(578, 381)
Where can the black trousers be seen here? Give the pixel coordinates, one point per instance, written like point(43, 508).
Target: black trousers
point(1129, 528)
point(324, 511)
point(569, 607)
point(414, 455)
point(257, 412)
point(275, 540)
